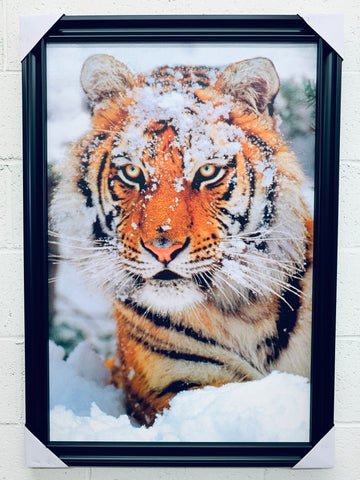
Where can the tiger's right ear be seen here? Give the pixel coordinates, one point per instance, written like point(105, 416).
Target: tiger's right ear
point(254, 82)
point(103, 78)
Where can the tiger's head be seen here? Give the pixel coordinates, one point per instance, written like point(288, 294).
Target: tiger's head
point(183, 194)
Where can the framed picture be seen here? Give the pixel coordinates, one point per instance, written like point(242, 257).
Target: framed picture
point(180, 187)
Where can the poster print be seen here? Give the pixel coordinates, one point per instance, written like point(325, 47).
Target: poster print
point(180, 238)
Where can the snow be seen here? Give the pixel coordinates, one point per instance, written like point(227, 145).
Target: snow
point(81, 377)
point(80, 308)
point(178, 183)
point(85, 408)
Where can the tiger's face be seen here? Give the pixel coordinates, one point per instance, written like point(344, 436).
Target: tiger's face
point(185, 188)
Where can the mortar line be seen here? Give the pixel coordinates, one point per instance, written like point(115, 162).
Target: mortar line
point(11, 72)
point(354, 249)
point(11, 250)
point(351, 72)
point(12, 424)
point(9, 161)
point(350, 160)
point(347, 424)
point(19, 338)
point(348, 337)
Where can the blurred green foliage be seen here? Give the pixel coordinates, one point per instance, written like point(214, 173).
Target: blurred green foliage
point(296, 104)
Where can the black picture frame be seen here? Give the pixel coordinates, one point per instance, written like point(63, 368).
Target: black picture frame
point(161, 29)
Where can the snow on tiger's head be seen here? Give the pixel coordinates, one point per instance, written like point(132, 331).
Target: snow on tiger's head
point(183, 192)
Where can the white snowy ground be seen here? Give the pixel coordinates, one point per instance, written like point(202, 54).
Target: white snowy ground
point(85, 408)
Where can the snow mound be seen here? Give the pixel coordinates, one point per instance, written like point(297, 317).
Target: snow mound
point(81, 380)
point(85, 408)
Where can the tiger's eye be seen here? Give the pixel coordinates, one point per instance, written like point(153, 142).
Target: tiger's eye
point(132, 171)
point(207, 170)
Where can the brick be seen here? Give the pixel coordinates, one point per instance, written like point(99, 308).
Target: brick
point(349, 205)
point(180, 473)
point(5, 205)
point(352, 32)
point(11, 187)
point(348, 299)
point(12, 381)
point(346, 461)
point(10, 118)
point(11, 287)
point(1, 35)
point(16, 186)
point(11, 204)
point(12, 460)
point(347, 375)
point(350, 117)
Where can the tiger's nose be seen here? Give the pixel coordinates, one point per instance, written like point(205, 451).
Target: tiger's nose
point(164, 252)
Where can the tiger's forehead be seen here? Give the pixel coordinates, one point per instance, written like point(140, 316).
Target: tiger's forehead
point(181, 77)
point(152, 103)
point(199, 130)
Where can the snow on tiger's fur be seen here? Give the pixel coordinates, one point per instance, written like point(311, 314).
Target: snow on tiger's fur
point(185, 206)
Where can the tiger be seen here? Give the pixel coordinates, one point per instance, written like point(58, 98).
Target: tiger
point(185, 206)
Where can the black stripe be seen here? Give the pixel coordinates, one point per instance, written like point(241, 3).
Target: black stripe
point(165, 322)
point(115, 197)
point(269, 209)
point(287, 317)
point(165, 124)
point(201, 75)
point(177, 386)
point(263, 146)
point(85, 190)
point(189, 110)
point(85, 156)
point(99, 176)
point(222, 224)
point(162, 74)
point(109, 219)
point(191, 83)
point(251, 175)
point(188, 357)
point(198, 99)
point(261, 246)
point(242, 220)
point(98, 232)
point(123, 219)
point(229, 191)
point(181, 155)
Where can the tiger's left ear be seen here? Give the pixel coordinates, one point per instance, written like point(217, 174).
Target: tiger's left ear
point(253, 81)
point(104, 78)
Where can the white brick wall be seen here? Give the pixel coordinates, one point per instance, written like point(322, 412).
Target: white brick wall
point(347, 412)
